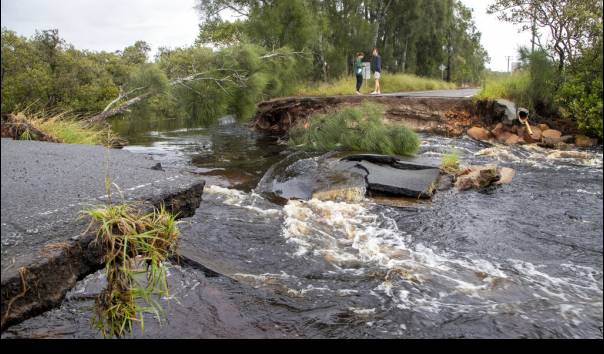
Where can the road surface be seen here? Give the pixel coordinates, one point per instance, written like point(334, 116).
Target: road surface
point(45, 187)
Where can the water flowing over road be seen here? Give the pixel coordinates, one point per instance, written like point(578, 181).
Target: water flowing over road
point(518, 261)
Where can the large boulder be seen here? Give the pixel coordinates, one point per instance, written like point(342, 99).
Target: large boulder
point(477, 177)
point(479, 133)
point(504, 136)
point(551, 133)
point(512, 140)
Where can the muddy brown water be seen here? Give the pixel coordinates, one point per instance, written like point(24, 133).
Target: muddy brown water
point(518, 261)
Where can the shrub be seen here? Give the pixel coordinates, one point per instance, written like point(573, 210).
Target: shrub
point(354, 129)
point(580, 97)
point(450, 163)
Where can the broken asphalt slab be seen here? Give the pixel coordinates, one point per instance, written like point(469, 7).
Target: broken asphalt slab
point(45, 187)
point(407, 177)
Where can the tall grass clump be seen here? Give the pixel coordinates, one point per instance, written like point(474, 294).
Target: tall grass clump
point(359, 128)
point(513, 86)
point(450, 163)
point(389, 83)
point(532, 86)
point(135, 246)
point(66, 128)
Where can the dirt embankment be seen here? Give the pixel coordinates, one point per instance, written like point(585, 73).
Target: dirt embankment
point(435, 115)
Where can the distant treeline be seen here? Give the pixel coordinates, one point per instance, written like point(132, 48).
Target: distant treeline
point(414, 36)
point(269, 48)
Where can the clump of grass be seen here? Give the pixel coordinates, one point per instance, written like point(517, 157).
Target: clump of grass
point(135, 245)
point(389, 83)
point(450, 163)
point(65, 128)
point(515, 87)
point(359, 128)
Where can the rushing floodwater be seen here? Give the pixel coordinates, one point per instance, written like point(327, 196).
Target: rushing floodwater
point(521, 260)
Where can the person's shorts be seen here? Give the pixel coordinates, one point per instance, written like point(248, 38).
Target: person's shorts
point(377, 75)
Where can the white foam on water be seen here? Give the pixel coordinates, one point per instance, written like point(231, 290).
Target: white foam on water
point(316, 226)
point(238, 198)
point(354, 239)
point(539, 157)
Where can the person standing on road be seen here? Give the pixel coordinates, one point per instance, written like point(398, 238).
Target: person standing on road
point(376, 67)
point(358, 71)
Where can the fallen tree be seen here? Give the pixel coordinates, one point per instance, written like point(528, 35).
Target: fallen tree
point(236, 76)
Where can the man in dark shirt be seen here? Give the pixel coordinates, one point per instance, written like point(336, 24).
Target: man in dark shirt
point(376, 67)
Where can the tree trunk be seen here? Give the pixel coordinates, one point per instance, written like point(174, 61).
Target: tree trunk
point(404, 61)
point(119, 110)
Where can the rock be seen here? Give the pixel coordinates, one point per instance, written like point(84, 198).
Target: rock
point(543, 127)
point(584, 141)
point(407, 183)
point(551, 133)
point(477, 177)
point(302, 175)
point(551, 140)
point(512, 140)
point(503, 137)
point(506, 110)
point(157, 167)
point(506, 175)
point(567, 139)
point(553, 143)
point(479, 133)
point(534, 138)
point(497, 131)
point(445, 182)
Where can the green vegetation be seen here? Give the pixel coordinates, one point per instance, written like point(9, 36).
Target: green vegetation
point(390, 83)
point(272, 48)
point(561, 76)
point(450, 163)
point(511, 86)
point(533, 85)
point(414, 36)
point(62, 127)
point(354, 129)
point(68, 129)
point(135, 245)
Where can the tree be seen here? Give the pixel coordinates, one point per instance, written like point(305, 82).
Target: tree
point(571, 24)
point(137, 53)
point(413, 35)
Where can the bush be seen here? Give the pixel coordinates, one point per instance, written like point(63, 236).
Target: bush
point(450, 163)
point(532, 86)
point(514, 87)
point(580, 97)
point(354, 129)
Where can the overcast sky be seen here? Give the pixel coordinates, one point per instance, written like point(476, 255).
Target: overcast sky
point(114, 24)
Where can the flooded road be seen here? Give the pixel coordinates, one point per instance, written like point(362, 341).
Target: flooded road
point(518, 261)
